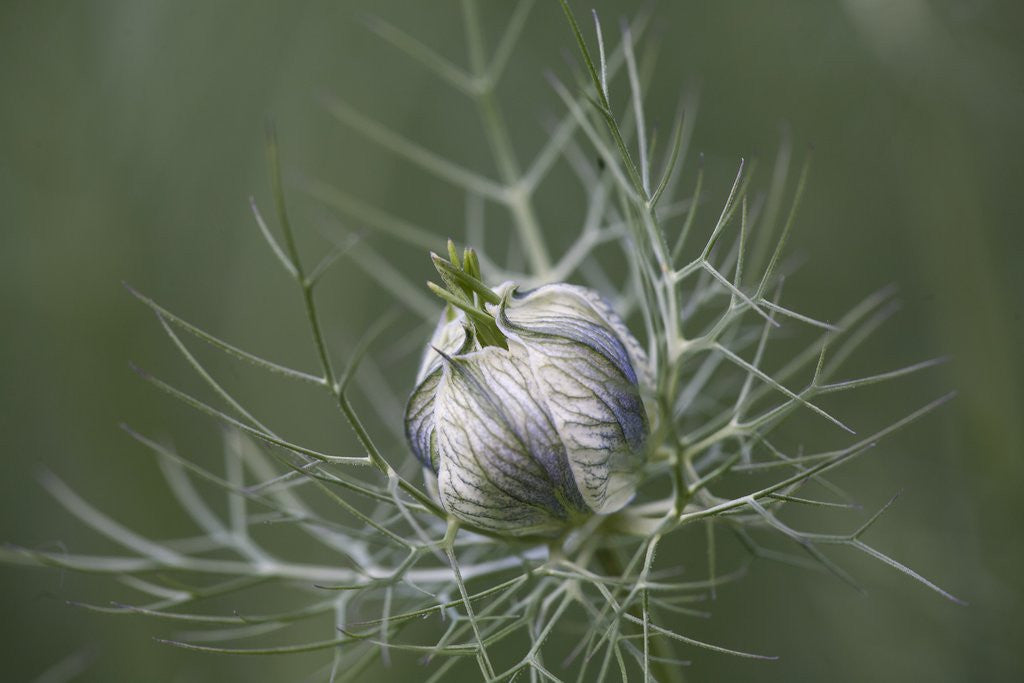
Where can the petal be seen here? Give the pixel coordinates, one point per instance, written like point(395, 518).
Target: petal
point(451, 339)
point(449, 336)
point(589, 385)
point(419, 419)
point(637, 355)
point(502, 463)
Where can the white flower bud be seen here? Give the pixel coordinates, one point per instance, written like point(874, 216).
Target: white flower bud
point(528, 439)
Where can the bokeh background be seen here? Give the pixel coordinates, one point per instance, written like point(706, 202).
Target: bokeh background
point(131, 135)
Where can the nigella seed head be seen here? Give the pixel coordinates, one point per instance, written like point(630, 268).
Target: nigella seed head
point(550, 428)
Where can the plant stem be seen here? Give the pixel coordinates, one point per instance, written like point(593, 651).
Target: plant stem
point(662, 670)
point(517, 196)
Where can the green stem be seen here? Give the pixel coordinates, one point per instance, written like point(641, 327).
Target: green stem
point(662, 670)
point(517, 196)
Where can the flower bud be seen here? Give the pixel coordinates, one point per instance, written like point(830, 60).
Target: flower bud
point(532, 437)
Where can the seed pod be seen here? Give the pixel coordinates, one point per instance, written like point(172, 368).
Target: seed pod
point(530, 438)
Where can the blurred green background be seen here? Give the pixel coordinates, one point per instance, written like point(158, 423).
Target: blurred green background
point(131, 138)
